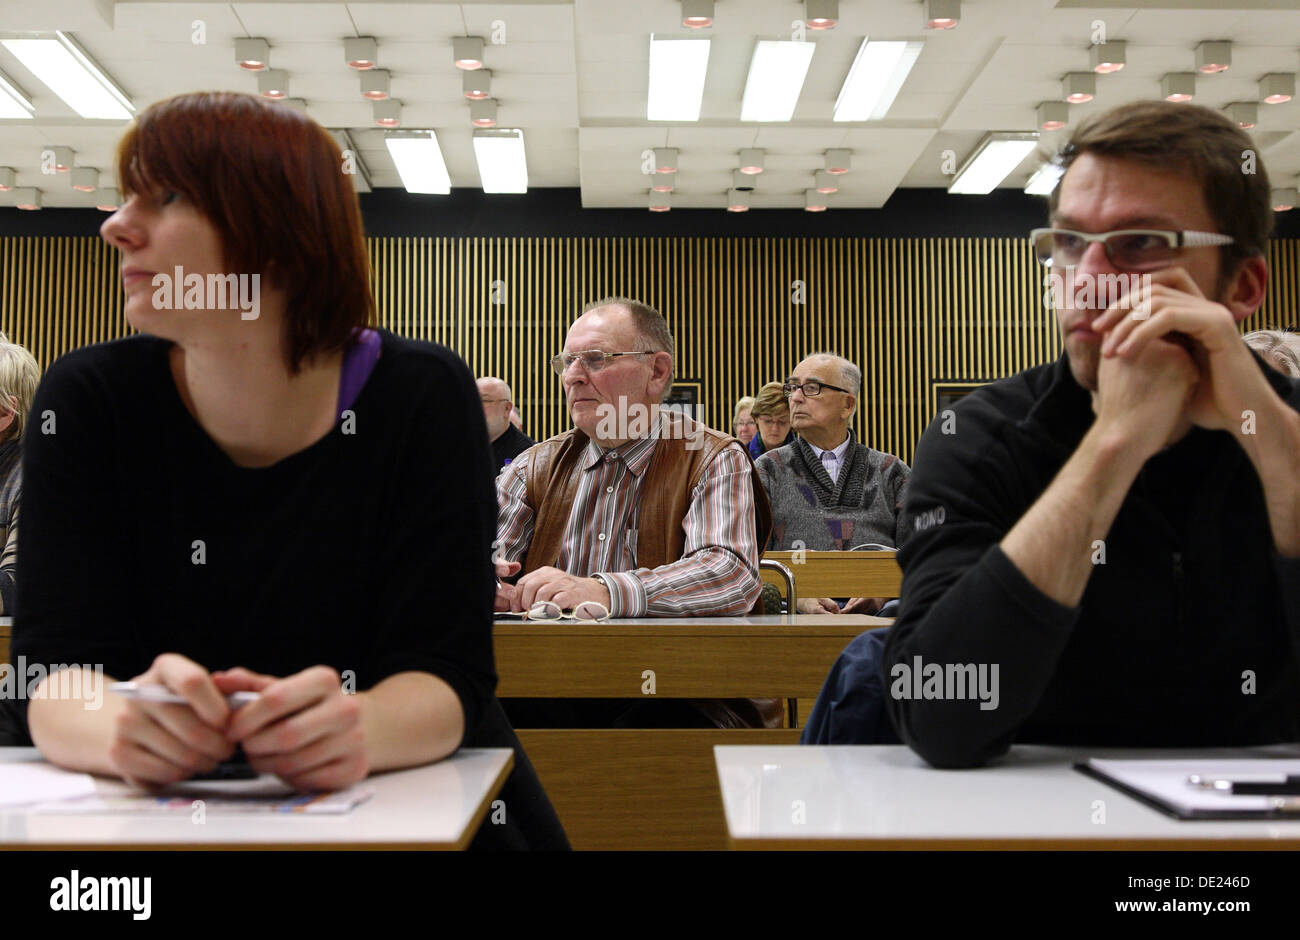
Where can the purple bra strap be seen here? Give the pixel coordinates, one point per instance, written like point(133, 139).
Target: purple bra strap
point(358, 362)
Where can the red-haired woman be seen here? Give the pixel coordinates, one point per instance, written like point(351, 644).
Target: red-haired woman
point(248, 496)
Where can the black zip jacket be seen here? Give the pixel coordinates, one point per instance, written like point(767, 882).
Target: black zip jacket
point(1187, 636)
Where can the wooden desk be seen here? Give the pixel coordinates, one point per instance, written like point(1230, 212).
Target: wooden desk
point(657, 789)
point(841, 574)
point(886, 797)
point(438, 806)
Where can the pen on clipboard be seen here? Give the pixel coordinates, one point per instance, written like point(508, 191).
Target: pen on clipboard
point(144, 692)
point(1287, 786)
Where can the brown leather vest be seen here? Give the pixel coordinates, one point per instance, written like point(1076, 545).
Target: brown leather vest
point(685, 450)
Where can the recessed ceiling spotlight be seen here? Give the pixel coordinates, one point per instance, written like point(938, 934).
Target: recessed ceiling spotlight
point(483, 113)
point(467, 51)
point(813, 201)
point(826, 182)
point(751, 160)
point(374, 84)
point(821, 14)
point(1245, 114)
point(64, 158)
point(660, 202)
point(361, 53)
point(1284, 200)
point(273, 83)
point(108, 199)
point(697, 14)
point(7, 178)
point(85, 179)
point(28, 198)
point(388, 113)
point(477, 84)
point(1213, 57)
point(839, 160)
point(665, 159)
point(1178, 86)
point(1078, 87)
point(1107, 57)
point(1276, 88)
point(942, 14)
point(1053, 115)
point(252, 54)
point(742, 181)
point(664, 184)
point(737, 201)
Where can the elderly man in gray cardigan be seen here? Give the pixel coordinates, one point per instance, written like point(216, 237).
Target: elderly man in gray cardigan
point(828, 491)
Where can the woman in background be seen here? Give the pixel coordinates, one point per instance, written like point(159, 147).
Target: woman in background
point(772, 412)
point(742, 422)
point(247, 496)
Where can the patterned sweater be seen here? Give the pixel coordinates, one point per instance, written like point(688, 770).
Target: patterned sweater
point(864, 505)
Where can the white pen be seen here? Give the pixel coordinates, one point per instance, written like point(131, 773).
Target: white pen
point(143, 692)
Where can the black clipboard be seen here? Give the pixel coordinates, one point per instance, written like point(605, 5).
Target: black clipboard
point(1176, 812)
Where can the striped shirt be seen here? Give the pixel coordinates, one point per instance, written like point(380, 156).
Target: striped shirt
point(718, 571)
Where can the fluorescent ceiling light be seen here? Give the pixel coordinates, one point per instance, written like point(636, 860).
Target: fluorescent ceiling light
point(502, 167)
point(62, 65)
point(776, 74)
point(419, 161)
point(1044, 179)
point(993, 161)
point(14, 103)
point(878, 72)
point(677, 68)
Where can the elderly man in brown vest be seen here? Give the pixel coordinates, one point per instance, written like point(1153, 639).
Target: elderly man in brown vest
point(646, 512)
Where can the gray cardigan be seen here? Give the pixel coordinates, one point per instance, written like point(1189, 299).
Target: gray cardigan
point(865, 504)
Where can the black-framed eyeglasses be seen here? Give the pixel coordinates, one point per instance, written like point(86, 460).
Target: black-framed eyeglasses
point(811, 389)
point(592, 359)
point(1130, 249)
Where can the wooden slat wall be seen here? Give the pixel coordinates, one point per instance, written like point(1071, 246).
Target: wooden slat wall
point(910, 312)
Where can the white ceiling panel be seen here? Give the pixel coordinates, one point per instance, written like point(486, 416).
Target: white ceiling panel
point(573, 76)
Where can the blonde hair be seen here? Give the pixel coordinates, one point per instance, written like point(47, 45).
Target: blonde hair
point(19, 376)
point(745, 404)
point(1281, 350)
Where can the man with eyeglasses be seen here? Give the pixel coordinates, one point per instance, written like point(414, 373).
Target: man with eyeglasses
point(828, 491)
point(508, 441)
point(635, 511)
point(1119, 531)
